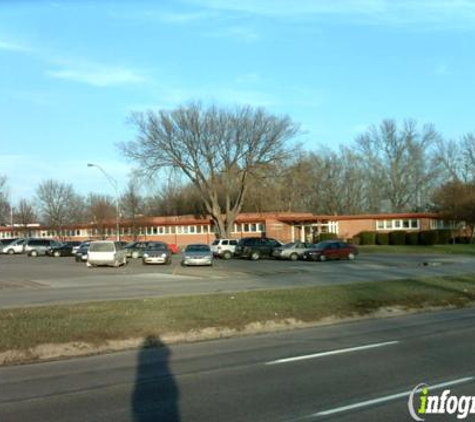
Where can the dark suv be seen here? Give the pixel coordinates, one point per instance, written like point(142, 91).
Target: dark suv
point(256, 247)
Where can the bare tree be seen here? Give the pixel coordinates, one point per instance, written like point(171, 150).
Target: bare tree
point(456, 201)
point(4, 201)
point(457, 159)
point(398, 163)
point(58, 204)
point(215, 148)
point(100, 210)
point(132, 204)
point(24, 215)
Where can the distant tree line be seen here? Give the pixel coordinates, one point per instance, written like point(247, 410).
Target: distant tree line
point(219, 162)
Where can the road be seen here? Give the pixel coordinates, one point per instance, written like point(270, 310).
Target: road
point(359, 371)
point(36, 281)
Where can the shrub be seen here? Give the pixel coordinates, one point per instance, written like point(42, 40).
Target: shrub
point(367, 238)
point(412, 238)
point(464, 240)
point(444, 236)
point(327, 236)
point(382, 238)
point(354, 240)
point(397, 238)
point(429, 237)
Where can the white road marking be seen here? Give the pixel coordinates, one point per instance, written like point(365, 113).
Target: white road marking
point(332, 352)
point(386, 398)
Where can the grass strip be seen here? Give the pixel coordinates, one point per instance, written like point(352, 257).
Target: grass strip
point(419, 249)
point(98, 322)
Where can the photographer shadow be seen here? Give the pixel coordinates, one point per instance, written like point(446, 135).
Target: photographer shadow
point(155, 396)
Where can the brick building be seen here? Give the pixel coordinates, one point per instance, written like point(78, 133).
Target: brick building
point(284, 226)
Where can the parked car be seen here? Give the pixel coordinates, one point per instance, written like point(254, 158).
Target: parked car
point(292, 251)
point(17, 246)
point(6, 242)
point(36, 247)
point(173, 248)
point(224, 248)
point(136, 249)
point(81, 253)
point(157, 253)
point(63, 249)
point(330, 249)
point(197, 254)
point(256, 247)
point(74, 244)
point(106, 252)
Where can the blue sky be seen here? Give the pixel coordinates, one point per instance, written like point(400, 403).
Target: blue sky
point(72, 71)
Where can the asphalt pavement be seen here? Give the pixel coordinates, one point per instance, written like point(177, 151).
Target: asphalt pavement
point(360, 371)
point(35, 281)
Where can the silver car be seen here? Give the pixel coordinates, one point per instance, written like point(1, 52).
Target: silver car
point(292, 251)
point(197, 254)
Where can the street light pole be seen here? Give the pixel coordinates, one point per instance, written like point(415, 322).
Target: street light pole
point(113, 182)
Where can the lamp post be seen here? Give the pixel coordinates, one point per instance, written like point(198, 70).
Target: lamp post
point(113, 182)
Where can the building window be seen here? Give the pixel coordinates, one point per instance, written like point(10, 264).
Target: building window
point(398, 224)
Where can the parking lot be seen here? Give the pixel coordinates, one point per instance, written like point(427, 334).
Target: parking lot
point(42, 280)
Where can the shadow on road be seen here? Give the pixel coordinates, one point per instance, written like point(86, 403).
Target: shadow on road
point(155, 397)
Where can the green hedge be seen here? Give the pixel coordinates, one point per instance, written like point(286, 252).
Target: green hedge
point(327, 236)
point(444, 237)
point(463, 240)
point(397, 238)
point(367, 238)
point(428, 237)
point(382, 238)
point(412, 238)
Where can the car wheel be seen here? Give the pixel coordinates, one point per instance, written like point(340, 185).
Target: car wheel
point(227, 255)
point(351, 256)
point(116, 263)
point(56, 254)
point(34, 253)
point(11, 251)
point(135, 255)
point(293, 257)
point(322, 257)
point(255, 256)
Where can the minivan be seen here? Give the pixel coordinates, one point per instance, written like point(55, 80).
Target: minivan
point(106, 252)
point(14, 247)
point(35, 247)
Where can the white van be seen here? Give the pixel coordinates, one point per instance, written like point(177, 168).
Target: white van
point(17, 246)
point(106, 252)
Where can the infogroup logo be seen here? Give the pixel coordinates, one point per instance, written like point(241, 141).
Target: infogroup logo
point(420, 403)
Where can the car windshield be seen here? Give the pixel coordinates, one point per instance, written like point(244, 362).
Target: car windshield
point(322, 245)
point(216, 242)
point(101, 247)
point(197, 248)
point(157, 247)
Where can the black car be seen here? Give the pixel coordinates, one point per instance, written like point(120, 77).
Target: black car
point(81, 254)
point(256, 247)
point(136, 249)
point(64, 249)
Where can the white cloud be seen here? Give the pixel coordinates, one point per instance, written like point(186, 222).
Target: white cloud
point(241, 33)
point(433, 13)
point(13, 46)
point(98, 75)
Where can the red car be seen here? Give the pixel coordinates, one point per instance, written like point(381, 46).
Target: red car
point(173, 248)
point(330, 249)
